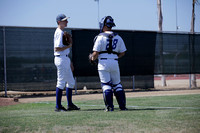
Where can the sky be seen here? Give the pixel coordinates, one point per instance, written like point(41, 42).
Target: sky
point(127, 14)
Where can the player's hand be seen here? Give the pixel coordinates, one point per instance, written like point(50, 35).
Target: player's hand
point(91, 60)
point(90, 57)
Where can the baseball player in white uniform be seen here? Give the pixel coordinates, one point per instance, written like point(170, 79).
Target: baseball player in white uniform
point(108, 47)
point(65, 77)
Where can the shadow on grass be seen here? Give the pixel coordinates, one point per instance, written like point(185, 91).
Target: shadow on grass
point(129, 109)
point(147, 109)
point(93, 109)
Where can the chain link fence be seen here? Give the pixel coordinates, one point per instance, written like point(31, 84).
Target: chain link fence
point(27, 60)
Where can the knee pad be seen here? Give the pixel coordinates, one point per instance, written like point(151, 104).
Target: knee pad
point(118, 91)
point(117, 87)
point(106, 86)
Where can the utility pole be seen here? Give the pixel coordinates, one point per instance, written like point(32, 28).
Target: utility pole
point(193, 82)
point(98, 11)
point(5, 70)
point(160, 20)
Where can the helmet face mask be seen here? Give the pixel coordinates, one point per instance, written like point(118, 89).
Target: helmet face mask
point(109, 22)
point(106, 21)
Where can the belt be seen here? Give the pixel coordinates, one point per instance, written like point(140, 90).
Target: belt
point(60, 55)
point(106, 59)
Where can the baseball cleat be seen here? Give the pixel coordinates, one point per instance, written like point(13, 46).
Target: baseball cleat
point(109, 109)
point(73, 107)
point(123, 109)
point(61, 109)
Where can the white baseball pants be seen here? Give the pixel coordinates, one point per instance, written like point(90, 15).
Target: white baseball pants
point(109, 71)
point(64, 73)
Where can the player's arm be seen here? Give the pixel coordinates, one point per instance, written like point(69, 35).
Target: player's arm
point(122, 49)
point(95, 55)
point(62, 48)
point(121, 54)
point(96, 48)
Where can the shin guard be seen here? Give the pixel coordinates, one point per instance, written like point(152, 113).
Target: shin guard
point(108, 99)
point(120, 96)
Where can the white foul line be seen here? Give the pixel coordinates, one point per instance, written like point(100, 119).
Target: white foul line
point(143, 107)
point(150, 107)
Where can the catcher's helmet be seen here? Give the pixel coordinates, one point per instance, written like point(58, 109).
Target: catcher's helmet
point(108, 21)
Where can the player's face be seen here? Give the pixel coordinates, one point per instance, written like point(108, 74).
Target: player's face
point(63, 23)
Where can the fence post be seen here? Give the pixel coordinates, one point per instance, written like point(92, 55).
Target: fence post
point(75, 85)
point(190, 81)
point(5, 71)
point(133, 83)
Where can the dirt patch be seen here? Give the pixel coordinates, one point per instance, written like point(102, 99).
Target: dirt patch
point(10, 101)
point(7, 101)
point(100, 96)
point(175, 86)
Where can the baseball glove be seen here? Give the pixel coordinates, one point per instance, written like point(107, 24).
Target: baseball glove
point(67, 39)
point(91, 61)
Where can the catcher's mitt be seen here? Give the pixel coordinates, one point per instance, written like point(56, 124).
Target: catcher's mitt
point(67, 39)
point(91, 61)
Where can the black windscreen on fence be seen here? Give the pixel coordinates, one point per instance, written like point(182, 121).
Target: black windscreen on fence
point(148, 53)
point(82, 46)
point(177, 53)
point(139, 58)
point(29, 54)
point(1, 58)
point(30, 59)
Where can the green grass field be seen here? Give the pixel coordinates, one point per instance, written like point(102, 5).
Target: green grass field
point(147, 114)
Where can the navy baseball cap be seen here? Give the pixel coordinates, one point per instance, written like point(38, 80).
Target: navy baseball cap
point(61, 17)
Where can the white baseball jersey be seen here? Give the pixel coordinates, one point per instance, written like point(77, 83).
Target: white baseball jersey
point(64, 73)
point(102, 43)
point(108, 66)
point(58, 35)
